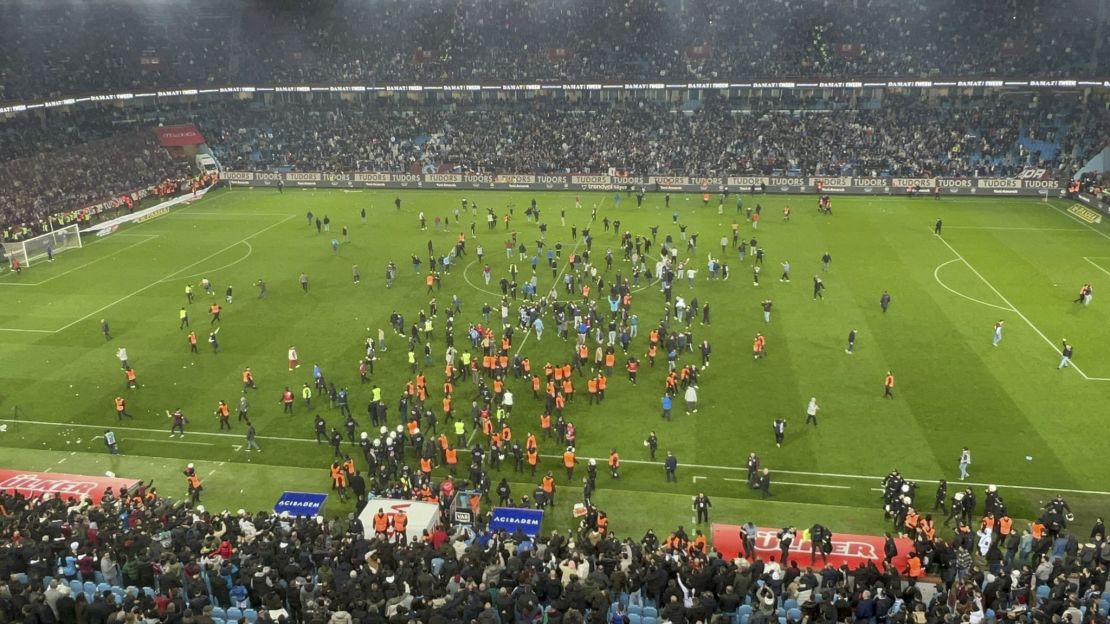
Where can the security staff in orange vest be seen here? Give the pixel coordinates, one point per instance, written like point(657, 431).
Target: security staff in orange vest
point(339, 480)
point(121, 408)
point(614, 464)
point(193, 484)
point(548, 485)
point(400, 525)
point(533, 458)
point(223, 412)
point(569, 461)
point(602, 523)
point(381, 523)
point(451, 456)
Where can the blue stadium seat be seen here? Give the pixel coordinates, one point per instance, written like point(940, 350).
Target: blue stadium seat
point(251, 615)
point(103, 587)
point(218, 613)
point(76, 587)
point(789, 604)
point(234, 614)
point(634, 619)
point(46, 580)
point(744, 618)
point(648, 620)
point(22, 578)
point(794, 614)
point(635, 610)
point(650, 612)
point(149, 591)
point(745, 611)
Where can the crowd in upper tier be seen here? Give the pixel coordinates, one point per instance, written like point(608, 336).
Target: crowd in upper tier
point(49, 49)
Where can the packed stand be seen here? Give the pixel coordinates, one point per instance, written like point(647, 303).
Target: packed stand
point(34, 187)
point(391, 41)
point(907, 136)
point(147, 559)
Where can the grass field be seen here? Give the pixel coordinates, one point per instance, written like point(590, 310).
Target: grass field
point(1020, 261)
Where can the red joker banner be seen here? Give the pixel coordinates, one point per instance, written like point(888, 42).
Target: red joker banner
point(33, 484)
point(854, 550)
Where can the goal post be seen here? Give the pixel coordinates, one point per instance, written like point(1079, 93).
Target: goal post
point(38, 248)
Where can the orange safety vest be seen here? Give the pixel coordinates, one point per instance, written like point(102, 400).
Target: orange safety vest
point(452, 456)
point(425, 465)
point(130, 374)
point(614, 460)
point(506, 433)
point(533, 457)
point(535, 383)
point(548, 484)
point(601, 381)
point(889, 383)
point(610, 359)
point(381, 522)
point(120, 404)
point(247, 376)
point(1005, 525)
point(568, 386)
point(591, 386)
point(568, 459)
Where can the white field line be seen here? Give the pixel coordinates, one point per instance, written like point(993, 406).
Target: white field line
point(874, 479)
point(147, 238)
point(816, 485)
point(1015, 229)
point(250, 251)
point(1078, 220)
point(171, 275)
point(555, 286)
point(1095, 264)
point(1016, 311)
point(936, 276)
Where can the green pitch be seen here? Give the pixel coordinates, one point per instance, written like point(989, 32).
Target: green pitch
point(1033, 429)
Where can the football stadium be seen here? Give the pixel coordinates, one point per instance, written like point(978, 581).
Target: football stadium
point(640, 312)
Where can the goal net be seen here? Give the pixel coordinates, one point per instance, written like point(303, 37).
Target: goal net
point(41, 247)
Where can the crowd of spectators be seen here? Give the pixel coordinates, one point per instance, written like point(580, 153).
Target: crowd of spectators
point(110, 45)
point(905, 136)
point(197, 564)
point(61, 161)
point(36, 186)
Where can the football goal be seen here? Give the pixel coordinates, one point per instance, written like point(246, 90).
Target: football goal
point(42, 247)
